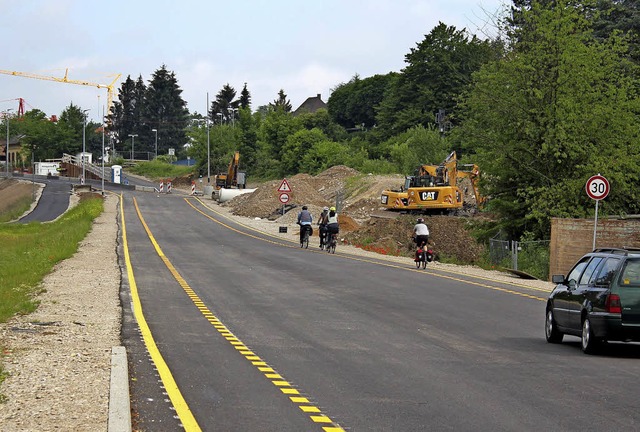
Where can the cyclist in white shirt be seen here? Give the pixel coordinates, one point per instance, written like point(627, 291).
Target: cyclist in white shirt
point(421, 232)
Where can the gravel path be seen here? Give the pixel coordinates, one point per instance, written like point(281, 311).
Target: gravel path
point(58, 358)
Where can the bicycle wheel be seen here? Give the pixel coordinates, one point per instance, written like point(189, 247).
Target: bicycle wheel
point(417, 260)
point(333, 247)
point(305, 239)
point(424, 261)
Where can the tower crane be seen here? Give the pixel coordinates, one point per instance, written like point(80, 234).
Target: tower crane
point(65, 79)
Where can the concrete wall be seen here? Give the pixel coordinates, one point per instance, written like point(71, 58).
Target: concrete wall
point(572, 238)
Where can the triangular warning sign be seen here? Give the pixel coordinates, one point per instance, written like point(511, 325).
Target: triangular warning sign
point(284, 186)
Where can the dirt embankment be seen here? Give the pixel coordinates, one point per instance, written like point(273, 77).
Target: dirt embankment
point(13, 193)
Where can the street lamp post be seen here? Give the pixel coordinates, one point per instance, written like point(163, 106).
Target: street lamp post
point(132, 144)
point(84, 127)
point(6, 152)
point(103, 126)
point(156, 132)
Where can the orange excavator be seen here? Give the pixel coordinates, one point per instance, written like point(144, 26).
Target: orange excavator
point(233, 178)
point(436, 188)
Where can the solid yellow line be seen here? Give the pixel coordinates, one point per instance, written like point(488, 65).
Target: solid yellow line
point(255, 360)
point(182, 409)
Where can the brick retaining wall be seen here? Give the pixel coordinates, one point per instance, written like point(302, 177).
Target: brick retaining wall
point(572, 238)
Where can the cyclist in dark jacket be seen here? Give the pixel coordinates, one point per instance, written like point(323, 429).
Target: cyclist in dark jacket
point(305, 220)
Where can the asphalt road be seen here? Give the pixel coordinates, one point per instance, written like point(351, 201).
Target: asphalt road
point(254, 333)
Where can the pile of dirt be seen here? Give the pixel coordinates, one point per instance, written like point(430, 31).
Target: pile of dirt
point(314, 192)
point(449, 237)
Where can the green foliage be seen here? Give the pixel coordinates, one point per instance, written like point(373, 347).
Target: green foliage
point(560, 108)
point(533, 258)
point(417, 146)
point(30, 251)
point(159, 169)
point(373, 166)
point(224, 141)
point(223, 108)
point(323, 155)
point(353, 104)
point(438, 70)
point(141, 108)
point(281, 103)
point(322, 121)
point(300, 143)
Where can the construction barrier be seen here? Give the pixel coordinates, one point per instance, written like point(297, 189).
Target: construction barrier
point(168, 186)
point(193, 188)
point(161, 187)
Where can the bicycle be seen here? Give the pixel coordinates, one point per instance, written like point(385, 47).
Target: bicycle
point(333, 241)
point(323, 237)
point(305, 236)
point(423, 256)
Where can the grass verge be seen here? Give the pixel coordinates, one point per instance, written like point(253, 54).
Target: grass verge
point(29, 252)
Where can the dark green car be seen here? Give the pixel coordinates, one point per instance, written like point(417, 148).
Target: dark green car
point(598, 301)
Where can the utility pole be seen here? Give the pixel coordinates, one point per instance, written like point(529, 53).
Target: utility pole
point(84, 127)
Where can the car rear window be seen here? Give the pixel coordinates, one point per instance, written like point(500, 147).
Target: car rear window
point(630, 274)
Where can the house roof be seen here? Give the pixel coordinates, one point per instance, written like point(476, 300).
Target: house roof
point(13, 141)
point(311, 105)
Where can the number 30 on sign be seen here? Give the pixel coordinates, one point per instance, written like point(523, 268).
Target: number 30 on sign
point(597, 187)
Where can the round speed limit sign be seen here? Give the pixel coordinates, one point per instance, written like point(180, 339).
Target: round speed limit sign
point(597, 187)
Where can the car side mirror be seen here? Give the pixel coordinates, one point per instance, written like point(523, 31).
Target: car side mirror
point(557, 279)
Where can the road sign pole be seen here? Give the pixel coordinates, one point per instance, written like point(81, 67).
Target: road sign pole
point(595, 226)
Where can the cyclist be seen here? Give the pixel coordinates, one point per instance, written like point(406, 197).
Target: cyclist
point(322, 224)
point(332, 223)
point(304, 220)
point(420, 234)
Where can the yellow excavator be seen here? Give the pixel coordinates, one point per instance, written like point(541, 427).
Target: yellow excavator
point(233, 178)
point(436, 189)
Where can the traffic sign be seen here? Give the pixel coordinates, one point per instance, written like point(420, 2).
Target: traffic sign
point(284, 198)
point(284, 186)
point(597, 187)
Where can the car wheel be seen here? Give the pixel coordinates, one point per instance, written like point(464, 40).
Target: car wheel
point(551, 329)
point(589, 343)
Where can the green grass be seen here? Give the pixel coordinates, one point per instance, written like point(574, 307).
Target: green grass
point(30, 251)
point(17, 209)
point(157, 169)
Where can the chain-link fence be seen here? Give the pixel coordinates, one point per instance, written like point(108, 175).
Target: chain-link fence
point(531, 257)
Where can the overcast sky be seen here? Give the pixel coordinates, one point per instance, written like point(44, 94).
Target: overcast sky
point(303, 47)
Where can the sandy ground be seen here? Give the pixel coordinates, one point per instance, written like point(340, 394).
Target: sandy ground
point(58, 358)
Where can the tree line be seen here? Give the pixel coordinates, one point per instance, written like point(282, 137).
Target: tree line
point(540, 108)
